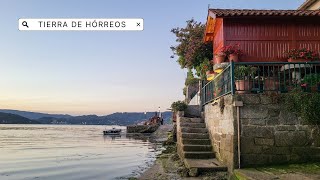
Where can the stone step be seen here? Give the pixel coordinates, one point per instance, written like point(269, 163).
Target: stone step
point(199, 154)
point(195, 135)
point(196, 141)
point(194, 130)
point(191, 120)
point(191, 147)
point(193, 125)
point(197, 166)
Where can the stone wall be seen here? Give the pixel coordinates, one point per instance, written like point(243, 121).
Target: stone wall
point(179, 116)
point(271, 135)
point(191, 91)
point(193, 111)
point(195, 100)
point(221, 123)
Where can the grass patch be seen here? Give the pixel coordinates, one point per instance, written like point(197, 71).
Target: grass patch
point(310, 168)
point(237, 176)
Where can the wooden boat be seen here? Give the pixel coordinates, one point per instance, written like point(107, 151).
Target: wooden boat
point(112, 131)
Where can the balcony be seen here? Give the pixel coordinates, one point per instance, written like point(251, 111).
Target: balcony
point(262, 77)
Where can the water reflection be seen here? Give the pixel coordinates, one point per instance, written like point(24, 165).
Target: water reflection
point(112, 137)
point(71, 152)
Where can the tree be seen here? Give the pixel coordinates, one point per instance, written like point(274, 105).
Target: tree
point(191, 49)
point(190, 80)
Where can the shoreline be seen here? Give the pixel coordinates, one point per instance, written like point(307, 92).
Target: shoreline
point(168, 164)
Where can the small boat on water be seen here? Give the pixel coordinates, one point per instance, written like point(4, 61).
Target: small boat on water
point(112, 131)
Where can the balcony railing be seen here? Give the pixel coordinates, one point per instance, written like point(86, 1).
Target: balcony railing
point(219, 86)
point(262, 77)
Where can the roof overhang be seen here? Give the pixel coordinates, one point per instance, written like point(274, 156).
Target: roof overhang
point(307, 4)
point(209, 31)
point(213, 14)
point(236, 13)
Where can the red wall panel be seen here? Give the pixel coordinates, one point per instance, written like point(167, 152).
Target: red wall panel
point(265, 39)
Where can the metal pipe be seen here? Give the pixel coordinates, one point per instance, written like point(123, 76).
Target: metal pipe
point(239, 144)
point(239, 104)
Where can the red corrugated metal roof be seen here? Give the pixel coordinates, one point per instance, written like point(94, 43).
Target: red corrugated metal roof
point(252, 12)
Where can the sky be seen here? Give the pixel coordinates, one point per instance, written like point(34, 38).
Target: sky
point(99, 72)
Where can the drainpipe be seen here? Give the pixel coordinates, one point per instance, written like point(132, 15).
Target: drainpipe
point(238, 104)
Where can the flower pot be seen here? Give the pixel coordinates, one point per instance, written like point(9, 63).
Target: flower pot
point(305, 87)
point(218, 59)
point(243, 86)
point(234, 57)
point(315, 88)
point(309, 88)
point(210, 75)
point(209, 72)
point(298, 60)
point(271, 84)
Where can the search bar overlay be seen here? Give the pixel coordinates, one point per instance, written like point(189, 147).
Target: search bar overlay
point(81, 24)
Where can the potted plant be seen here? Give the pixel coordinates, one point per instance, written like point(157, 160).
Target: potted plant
point(311, 83)
point(206, 69)
point(242, 75)
point(233, 52)
point(270, 80)
point(219, 57)
point(301, 55)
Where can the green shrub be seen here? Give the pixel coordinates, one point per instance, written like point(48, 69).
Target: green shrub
point(243, 72)
point(306, 105)
point(311, 79)
point(178, 106)
point(184, 91)
point(190, 80)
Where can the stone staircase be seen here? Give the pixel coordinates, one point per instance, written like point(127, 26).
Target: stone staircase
point(194, 146)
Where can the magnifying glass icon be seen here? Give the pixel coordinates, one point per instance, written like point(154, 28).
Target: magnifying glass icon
point(25, 24)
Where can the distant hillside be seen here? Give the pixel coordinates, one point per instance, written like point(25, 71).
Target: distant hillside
point(6, 118)
point(124, 119)
point(33, 115)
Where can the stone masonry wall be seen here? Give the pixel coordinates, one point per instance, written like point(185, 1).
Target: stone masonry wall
point(222, 129)
point(191, 91)
point(180, 116)
point(271, 135)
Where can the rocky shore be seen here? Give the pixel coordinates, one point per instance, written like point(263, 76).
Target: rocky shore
point(168, 164)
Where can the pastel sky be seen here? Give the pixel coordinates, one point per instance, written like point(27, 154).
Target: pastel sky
point(99, 72)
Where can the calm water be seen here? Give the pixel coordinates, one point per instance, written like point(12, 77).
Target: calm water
point(70, 152)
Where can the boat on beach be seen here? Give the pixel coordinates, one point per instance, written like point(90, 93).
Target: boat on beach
point(112, 131)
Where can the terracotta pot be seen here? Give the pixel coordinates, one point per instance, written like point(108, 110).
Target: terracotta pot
point(298, 60)
point(271, 84)
point(243, 86)
point(209, 72)
point(218, 59)
point(234, 57)
point(309, 88)
point(210, 75)
point(315, 88)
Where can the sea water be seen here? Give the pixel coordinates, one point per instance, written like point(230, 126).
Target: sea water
point(71, 152)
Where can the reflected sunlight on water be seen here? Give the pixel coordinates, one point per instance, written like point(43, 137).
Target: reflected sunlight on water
point(71, 152)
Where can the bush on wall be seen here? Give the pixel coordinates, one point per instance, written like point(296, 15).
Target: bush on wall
point(306, 105)
point(179, 106)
